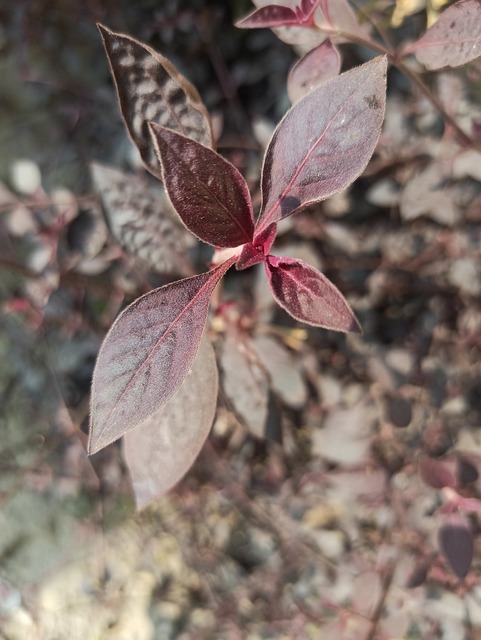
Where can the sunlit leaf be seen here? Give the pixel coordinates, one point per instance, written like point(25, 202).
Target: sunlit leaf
point(147, 354)
point(308, 295)
point(143, 221)
point(324, 141)
point(337, 15)
point(454, 39)
point(272, 15)
point(317, 66)
point(456, 543)
point(151, 89)
point(160, 450)
point(209, 194)
point(245, 383)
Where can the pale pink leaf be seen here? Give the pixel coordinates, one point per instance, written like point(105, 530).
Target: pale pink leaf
point(367, 593)
point(209, 194)
point(245, 383)
point(308, 295)
point(453, 40)
point(160, 450)
point(151, 89)
point(284, 370)
point(317, 66)
point(147, 354)
point(456, 543)
point(143, 221)
point(338, 16)
point(324, 141)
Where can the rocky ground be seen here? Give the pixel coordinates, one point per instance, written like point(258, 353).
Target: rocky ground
point(338, 526)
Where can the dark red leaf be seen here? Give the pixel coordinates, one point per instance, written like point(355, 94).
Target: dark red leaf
point(317, 66)
point(257, 250)
point(209, 194)
point(273, 15)
point(324, 141)
point(161, 450)
point(456, 543)
point(308, 295)
point(454, 39)
point(147, 354)
point(151, 89)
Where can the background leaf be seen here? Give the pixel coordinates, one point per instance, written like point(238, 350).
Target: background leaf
point(151, 89)
point(147, 354)
point(456, 543)
point(324, 141)
point(161, 450)
point(317, 66)
point(453, 40)
point(308, 295)
point(209, 194)
point(284, 370)
point(143, 221)
point(245, 383)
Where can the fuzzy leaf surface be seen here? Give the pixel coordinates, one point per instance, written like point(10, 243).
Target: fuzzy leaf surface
point(317, 66)
point(160, 450)
point(454, 39)
point(151, 89)
point(307, 295)
point(324, 142)
point(143, 221)
point(147, 354)
point(209, 194)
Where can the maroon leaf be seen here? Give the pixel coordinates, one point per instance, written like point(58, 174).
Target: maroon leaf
point(151, 89)
point(273, 15)
point(209, 194)
point(160, 451)
point(437, 473)
point(317, 66)
point(147, 354)
point(143, 221)
point(324, 141)
point(308, 295)
point(453, 40)
point(456, 543)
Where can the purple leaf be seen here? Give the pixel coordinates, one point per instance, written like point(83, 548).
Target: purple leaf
point(317, 66)
point(272, 15)
point(453, 40)
point(324, 141)
point(308, 295)
point(456, 543)
point(161, 450)
point(209, 194)
point(147, 354)
point(437, 473)
point(151, 89)
point(143, 221)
